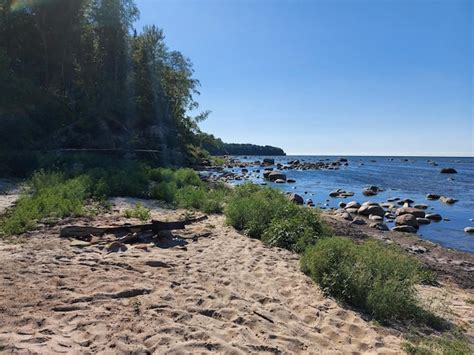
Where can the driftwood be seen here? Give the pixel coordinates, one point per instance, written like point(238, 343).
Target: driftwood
point(154, 226)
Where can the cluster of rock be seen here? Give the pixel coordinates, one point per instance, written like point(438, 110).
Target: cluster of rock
point(406, 219)
point(291, 165)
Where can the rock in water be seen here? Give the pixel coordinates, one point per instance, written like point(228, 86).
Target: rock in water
point(448, 171)
point(276, 175)
point(432, 197)
point(448, 200)
point(469, 230)
point(410, 210)
point(434, 216)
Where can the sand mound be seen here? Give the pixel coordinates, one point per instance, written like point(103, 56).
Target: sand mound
point(225, 293)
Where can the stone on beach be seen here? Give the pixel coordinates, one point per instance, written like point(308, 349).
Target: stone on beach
point(423, 220)
point(404, 228)
point(368, 209)
point(296, 199)
point(406, 219)
point(434, 216)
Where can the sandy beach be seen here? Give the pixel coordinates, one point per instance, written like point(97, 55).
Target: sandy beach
point(223, 293)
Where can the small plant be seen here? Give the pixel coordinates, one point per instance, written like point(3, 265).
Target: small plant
point(374, 277)
point(450, 343)
point(138, 211)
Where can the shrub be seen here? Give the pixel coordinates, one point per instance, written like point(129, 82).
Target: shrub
point(187, 177)
point(257, 211)
point(161, 175)
point(47, 195)
point(138, 211)
point(164, 191)
point(377, 278)
point(202, 198)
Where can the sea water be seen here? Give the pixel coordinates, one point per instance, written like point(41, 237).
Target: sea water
point(403, 177)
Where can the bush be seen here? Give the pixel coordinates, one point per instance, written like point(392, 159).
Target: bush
point(202, 198)
point(164, 191)
point(451, 343)
point(377, 278)
point(260, 211)
point(138, 211)
point(47, 195)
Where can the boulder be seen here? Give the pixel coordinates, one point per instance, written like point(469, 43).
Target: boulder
point(448, 171)
point(417, 249)
point(359, 221)
point(347, 216)
point(353, 204)
point(423, 221)
point(268, 161)
point(291, 181)
point(296, 199)
point(406, 220)
point(421, 206)
point(279, 181)
point(448, 200)
point(276, 175)
point(352, 210)
point(410, 210)
point(368, 192)
point(367, 210)
point(266, 174)
point(342, 204)
point(434, 216)
point(469, 230)
point(432, 197)
point(406, 229)
point(375, 218)
point(379, 226)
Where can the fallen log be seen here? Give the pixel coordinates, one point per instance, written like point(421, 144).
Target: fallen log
point(154, 226)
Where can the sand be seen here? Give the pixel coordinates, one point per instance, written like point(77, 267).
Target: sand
point(224, 293)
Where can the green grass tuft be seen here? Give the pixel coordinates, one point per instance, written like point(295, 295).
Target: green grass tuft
point(138, 211)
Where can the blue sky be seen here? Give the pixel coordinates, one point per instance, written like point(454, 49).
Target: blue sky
point(352, 77)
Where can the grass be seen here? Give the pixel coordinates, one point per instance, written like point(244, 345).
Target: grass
point(371, 276)
point(46, 195)
point(450, 343)
point(138, 211)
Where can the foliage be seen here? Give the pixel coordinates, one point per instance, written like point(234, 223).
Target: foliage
point(47, 195)
point(374, 277)
point(266, 213)
point(76, 74)
point(216, 146)
point(450, 343)
point(138, 211)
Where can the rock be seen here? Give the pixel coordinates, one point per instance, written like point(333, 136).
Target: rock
point(393, 199)
point(296, 199)
point(245, 171)
point(434, 216)
point(368, 192)
point(353, 204)
point(291, 181)
point(342, 204)
point(375, 218)
point(448, 171)
point(410, 210)
point(266, 174)
point(279, 181)
point(115, 247)
point(469, 230)
point(417, 249)
point(359, 221)
point(347, 216)
point(276, 175)
point(448, 200)
point(379, 226)
point(421, 206)
point(334, 194)
point(406, 229)
point(406, 219)
point(268, 161)
point(423, 220)
point(432, 197)
point(352, 210)
point(367, 210)
point(389, 215)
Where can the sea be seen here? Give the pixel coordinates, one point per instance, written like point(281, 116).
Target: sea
point(402, 177)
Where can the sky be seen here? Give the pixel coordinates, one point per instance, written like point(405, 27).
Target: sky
point(334, 77)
